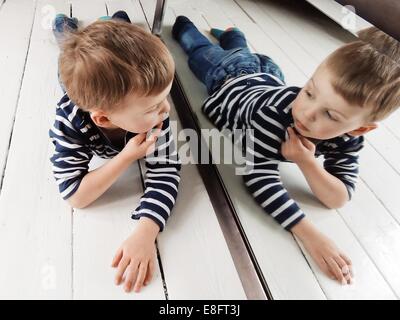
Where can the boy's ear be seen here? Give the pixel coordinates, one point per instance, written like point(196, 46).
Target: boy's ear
point(363, 130)
point(101, 119)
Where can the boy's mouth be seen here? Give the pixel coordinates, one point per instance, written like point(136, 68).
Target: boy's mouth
point(300, 126)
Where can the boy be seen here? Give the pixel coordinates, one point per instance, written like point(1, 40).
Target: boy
point(352, 89)
point(117, 78)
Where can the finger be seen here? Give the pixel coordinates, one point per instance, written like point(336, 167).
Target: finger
point(283, 147)
point(156, 130)
point(349, 263)
point(343, 268)
point(307, 143)
point(117, 258)
point(150, 272)
point(141, 276)
point(290, 133)
point(286, 136)
point(325, 269)
point(342, 265)
point(130, 276)
point(348, 278)
point(293, 136)
point(160, 125)
point(346, 274)
point(154, 135)
point(336, 270)
point(121, 269)
point(148, 147)
point(139, 138)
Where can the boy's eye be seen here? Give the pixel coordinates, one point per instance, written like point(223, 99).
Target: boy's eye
point(330, 116)
point(308, 93)
point(153, 109)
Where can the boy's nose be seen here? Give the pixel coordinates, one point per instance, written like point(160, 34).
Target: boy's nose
point(310, 114)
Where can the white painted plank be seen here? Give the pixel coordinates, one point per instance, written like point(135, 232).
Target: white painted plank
point(193, 242)
point(270, 29)
point(277, 267)
point(338, 13)
point(276, 251)
point(100, 229)
point(392, 123)
point(381, 179)
point(149, 7)
point(379, 235)
point(387, 145)
point(88, 11)
point(14, 49)
point(369, 282)
point(35, 235)
point(312, 34)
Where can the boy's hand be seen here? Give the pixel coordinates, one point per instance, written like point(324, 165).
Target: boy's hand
point(298, 148)
point(139, 146)
point(135, 259)
point(334, 263)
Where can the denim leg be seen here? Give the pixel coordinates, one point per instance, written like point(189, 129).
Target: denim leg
point(269, 66)
point(210, 63)
point(205, 63)
point(188, 36)
point(203, 55)
point(232, 39)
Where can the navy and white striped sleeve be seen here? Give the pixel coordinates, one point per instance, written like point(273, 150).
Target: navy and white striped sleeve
point(263, 178)
point(161, 181)
point(342, 162)
point(70, 160)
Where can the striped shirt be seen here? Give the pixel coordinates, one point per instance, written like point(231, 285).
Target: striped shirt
point(76, 139)
point(262, 103)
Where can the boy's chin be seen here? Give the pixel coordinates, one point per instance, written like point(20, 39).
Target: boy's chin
point(307, 135)
point(303, 134)
point(143, 130)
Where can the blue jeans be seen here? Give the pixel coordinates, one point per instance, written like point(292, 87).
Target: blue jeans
point(214, 64)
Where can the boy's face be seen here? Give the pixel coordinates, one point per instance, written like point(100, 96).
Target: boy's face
point(136, 114)
point(320, 113)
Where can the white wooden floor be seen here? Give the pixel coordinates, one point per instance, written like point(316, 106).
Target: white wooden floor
point(49, 251)
point(298, 39)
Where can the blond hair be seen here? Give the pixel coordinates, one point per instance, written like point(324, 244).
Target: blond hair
point(366, 72)
point(104, 62)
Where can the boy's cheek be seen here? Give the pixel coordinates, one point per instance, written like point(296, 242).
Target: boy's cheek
point(296, 106)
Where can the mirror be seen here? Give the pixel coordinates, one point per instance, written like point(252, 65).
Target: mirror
point(298, 37)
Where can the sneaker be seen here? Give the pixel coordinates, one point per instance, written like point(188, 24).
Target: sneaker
point(180, 22)
point(62, 25)
point(122, 15)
